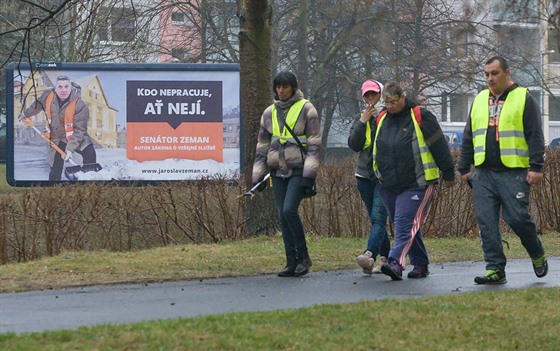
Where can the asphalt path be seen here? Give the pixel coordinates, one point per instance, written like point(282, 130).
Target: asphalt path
point(75, 307)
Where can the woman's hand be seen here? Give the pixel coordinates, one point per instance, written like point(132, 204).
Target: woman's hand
point(368, 113)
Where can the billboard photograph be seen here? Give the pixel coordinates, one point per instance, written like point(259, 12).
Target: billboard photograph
point(122, 122)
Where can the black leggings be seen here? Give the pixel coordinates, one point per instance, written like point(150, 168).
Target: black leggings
point(88, 154)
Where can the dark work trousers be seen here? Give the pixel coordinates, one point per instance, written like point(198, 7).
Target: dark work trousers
point(408, 210)
point(509, 192)
point(288, 195)
point(378, 241)
point(88, 154)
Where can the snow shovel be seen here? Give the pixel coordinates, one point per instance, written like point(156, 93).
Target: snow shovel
point(69, 172)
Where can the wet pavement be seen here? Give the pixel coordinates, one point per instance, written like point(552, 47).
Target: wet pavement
point(87, 306)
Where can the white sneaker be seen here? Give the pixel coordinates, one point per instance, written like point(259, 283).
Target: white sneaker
point(366, 262)
point(377, 268)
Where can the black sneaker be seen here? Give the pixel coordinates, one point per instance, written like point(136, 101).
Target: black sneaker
point(393, 270)
point(492, 277)
point(540, 266)
point(419, 272)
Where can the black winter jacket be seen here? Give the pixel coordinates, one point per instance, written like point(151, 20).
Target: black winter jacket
point(397, 156)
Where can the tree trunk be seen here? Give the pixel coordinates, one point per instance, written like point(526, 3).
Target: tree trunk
point(303, 52)
point(255, 72)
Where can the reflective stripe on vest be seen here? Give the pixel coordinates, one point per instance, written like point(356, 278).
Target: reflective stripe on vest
point(514, 151)
point(368, 135)
point(291, 119)
point(68, 116)
point(431, 171)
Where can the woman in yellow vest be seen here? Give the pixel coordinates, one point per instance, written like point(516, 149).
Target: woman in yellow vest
point(408, 150)
point(288, 147)
point(67, 119)
point(504, 140)
point(359, 140)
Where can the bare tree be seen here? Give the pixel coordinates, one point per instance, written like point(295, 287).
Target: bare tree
point(435, 47)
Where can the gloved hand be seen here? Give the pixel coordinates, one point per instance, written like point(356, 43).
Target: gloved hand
point(308, 187)
point(262, 185)
point(68, 156)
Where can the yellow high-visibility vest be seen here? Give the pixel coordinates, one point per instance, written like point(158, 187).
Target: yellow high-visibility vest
point(431, 171)
point(291, 119)
point(514, 150)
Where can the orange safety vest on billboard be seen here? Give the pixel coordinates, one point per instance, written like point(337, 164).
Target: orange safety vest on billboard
point(68, 116)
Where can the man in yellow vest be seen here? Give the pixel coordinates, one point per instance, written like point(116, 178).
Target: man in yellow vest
point(504, 140)
point(67, 120)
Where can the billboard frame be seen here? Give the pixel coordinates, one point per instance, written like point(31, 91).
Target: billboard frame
point(14, 68)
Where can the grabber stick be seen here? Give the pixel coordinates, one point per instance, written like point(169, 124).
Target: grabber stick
point(251, 191)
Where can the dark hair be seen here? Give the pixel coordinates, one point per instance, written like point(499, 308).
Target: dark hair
point(392, 89)
point(500, 59)
point(62, 78)
point(284, 78)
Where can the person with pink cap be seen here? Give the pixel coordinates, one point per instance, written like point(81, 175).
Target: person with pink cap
point(359, 140)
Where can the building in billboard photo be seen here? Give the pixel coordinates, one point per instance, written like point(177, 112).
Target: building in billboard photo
point(102, 116)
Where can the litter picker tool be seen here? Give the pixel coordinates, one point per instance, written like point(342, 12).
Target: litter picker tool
point(69, 172)
point(253, 190)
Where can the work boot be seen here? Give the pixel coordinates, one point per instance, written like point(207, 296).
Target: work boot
point(540, 266)
point(289, 270)
point(419, 272)
point(393, 270)
point(303, 264)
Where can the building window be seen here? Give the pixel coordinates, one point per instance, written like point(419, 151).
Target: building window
point(177, 17)
point(522, 46)
point(538, 97)
point(459, 107)
point(180, 19)
point(117, 24)
point(554, 108)
point(180, 55)
point(455, 107)
point(553, 44)
point(516, 11)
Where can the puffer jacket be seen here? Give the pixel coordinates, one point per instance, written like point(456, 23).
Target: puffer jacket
point(285, 160)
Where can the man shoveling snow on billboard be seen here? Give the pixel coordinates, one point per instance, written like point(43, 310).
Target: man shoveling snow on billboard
point(66, 127)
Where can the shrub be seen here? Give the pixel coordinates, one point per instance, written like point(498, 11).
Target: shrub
point(37, 222)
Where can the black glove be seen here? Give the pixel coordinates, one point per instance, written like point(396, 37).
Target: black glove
point(262, 185)
point(308, 187)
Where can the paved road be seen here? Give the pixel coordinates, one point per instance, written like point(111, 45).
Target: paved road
point(72, 308)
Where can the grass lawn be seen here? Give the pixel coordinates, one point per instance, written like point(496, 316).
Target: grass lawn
point(508, 320)
point(261, 255)
point(505, 320)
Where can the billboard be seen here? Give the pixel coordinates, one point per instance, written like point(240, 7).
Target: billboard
point(121, 122)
